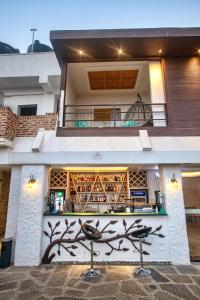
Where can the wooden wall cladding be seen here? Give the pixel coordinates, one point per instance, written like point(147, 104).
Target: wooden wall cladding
point(182, 80)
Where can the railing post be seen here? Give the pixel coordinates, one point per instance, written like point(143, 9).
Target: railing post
point(114, 116)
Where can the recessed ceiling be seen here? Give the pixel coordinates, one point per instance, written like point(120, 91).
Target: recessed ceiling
point(113, 80)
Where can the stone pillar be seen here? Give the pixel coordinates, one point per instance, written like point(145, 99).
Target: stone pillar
point(177, 232)
point(157, 93)
point(30, 216)
point(13, 205)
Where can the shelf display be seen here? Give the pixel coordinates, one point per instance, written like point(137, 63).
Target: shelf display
point(99, 188)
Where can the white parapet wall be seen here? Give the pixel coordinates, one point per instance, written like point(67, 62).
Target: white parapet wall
point(78, 252)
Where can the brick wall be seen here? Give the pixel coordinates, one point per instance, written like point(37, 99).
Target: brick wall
point(4, 193)
point(29, 125)
point(8, 123)
point(12, 126)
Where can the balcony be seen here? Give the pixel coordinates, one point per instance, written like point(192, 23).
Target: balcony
point(120, 119)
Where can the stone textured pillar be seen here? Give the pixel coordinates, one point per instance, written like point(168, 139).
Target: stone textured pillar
point(30, 216)
point(13, 205)
point(177, 232)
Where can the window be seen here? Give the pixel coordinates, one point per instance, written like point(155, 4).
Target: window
point(27, 110)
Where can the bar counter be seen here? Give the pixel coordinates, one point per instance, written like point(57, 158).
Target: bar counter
point(65, 242)
point(104, 214)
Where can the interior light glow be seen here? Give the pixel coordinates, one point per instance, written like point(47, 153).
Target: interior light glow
point(160, 51)
point(95, 169)
point(198, 51)
point(190, 174)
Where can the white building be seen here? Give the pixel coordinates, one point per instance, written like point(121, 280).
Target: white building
point(78, 131)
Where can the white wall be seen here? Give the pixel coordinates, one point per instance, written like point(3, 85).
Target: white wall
point(29, 64)
point(30, 216)
point(70, 96)
point(157, 92)
point(177, 233)
point(45, 102)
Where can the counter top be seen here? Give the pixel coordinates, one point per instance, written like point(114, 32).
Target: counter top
point(105, 214)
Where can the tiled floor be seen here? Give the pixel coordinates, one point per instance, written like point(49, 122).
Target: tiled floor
point(63, 282)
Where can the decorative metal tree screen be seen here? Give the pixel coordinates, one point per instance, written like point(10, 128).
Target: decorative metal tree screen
point(139, 112)
point(137, 179)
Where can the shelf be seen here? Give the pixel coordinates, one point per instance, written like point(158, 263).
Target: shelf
point(98, 183)
point(105, 203)
point(102, 192)
point(106, 182)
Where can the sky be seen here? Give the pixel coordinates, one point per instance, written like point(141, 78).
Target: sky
point(17, 17)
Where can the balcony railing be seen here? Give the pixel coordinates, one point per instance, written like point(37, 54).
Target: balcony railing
point(119, 115)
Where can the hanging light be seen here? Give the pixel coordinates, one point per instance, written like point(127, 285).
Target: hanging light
point(174, 181)
point(31, 181)
point(139, 112)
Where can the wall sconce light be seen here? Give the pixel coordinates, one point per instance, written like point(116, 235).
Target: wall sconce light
point(31, 181)
point(174, 181)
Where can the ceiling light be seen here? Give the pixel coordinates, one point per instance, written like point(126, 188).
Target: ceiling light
point(120, 51)
point(198, 51)
point(160, 51)
point(190, 174)
point(81, 52)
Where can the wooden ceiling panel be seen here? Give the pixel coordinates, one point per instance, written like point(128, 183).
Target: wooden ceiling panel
point(119, 79)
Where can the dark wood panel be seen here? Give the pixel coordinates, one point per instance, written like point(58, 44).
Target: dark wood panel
point(152, 131)
point(182, 82)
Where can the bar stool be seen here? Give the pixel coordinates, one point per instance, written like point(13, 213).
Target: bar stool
point(91, 234)
point(141, 234)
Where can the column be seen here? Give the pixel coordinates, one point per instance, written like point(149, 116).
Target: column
point(13, 205)
point(157, 93)
point(177, 232)
point(30, 215)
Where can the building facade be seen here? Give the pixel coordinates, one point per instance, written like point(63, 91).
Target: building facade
point(103, 130)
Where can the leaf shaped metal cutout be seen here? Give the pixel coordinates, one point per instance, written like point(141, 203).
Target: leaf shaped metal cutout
point(124, 222)
point(125, 249)
point(49, 224)
point(158, 228)
point(138, 221)
point(57, 224)
point(57, 232)
point(89, 221)
point(97, 224)
point(72, 223)
point(161, 235)
point(66, 222)
point(46, 233)
point(74, 247)
point(113, 222)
